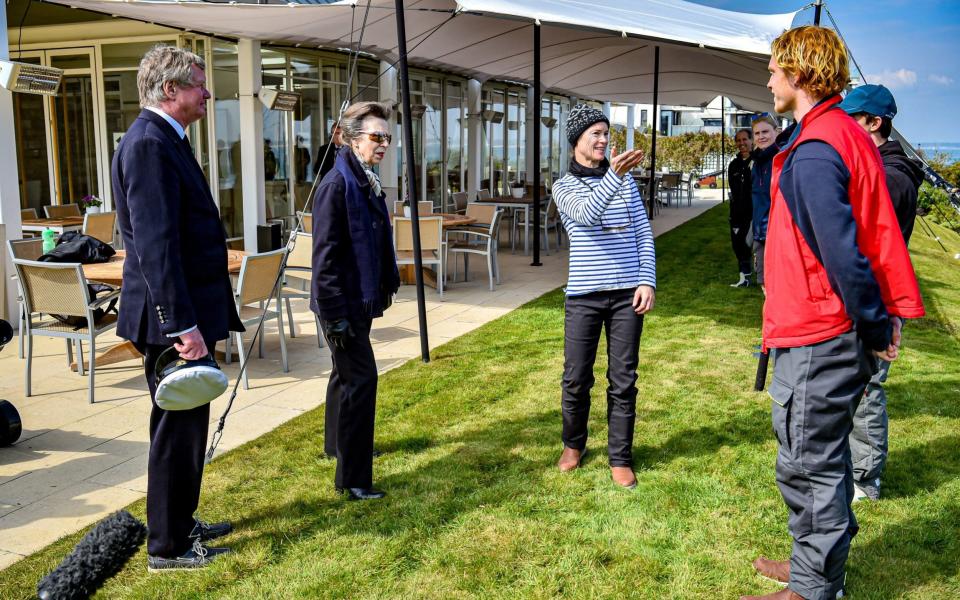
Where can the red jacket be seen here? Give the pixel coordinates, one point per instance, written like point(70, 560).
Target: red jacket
point(804, 303)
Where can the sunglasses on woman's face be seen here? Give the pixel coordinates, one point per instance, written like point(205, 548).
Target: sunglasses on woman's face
point(378, 136)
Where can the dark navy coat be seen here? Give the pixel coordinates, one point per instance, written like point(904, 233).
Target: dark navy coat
point(175, 273)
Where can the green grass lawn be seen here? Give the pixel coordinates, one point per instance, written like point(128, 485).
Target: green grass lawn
point(476, 507)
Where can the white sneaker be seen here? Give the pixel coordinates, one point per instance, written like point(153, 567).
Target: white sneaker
point(859, 494)
point(744, 281)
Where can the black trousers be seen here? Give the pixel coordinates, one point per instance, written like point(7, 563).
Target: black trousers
point(738, 238)
point(178, 441)
point(585, 317)
point(352, 392)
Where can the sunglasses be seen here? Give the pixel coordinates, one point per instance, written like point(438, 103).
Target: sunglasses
point(378, 136)
point(759, 116)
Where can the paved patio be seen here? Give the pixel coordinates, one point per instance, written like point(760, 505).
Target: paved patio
point(77, 462)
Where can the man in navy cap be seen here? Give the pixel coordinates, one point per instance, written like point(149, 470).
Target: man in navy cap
point(873, 108)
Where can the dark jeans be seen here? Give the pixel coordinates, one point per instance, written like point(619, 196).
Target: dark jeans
point(353, 393)
point(738, 238)
point(815, 393)
point(586, 316)
point(178, 441)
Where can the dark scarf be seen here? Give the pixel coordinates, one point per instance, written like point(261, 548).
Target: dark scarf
point(578, 170)
point(369, 245)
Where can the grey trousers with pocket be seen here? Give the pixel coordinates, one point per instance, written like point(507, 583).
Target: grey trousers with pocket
point(815, 393)
point(868, 441)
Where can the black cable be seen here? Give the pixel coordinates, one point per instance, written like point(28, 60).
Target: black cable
point(23, 19)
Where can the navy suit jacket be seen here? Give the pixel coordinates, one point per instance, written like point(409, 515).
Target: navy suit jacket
point(175, 273)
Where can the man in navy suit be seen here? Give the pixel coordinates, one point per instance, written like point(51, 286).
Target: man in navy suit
point(176, 289)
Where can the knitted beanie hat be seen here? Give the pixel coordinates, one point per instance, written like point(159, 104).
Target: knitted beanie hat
point(580, 118)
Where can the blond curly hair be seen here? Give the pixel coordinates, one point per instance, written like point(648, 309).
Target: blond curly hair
point(816, 57)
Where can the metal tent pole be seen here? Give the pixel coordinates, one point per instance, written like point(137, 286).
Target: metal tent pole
point(412, 179)
point(536, 145)
point(817, 7)
point(656, 123)
point(723, 146)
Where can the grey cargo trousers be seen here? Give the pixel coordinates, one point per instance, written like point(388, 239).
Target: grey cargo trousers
point(815, 393)
point(868, 441)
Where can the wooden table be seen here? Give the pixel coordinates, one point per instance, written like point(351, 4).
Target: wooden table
point(60, 225)
point(111, 273)
point(525, 204)
point(407, 273)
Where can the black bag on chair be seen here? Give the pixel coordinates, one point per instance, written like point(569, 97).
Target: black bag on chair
point(75, 247)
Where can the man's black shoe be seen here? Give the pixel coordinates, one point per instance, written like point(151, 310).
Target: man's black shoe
point(209, 531)
point(361, 493)
point(197, 557)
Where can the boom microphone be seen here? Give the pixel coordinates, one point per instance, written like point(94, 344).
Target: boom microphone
point(99, 556)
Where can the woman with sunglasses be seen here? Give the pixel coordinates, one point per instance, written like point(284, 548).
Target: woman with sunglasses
point(354, 279)
point(765, 130)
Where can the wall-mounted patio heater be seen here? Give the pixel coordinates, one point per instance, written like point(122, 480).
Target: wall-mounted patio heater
point(30, 79)
point(279, 99)
point(548, 122)
point(494, 116)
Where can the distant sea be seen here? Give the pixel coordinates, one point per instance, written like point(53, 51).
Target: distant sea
point(950, 148)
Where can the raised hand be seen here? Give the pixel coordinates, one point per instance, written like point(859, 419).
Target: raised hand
point(623, 163)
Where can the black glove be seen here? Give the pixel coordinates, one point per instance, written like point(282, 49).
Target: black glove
point(338, 332)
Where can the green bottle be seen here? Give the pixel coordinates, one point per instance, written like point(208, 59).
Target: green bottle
point(49, 240)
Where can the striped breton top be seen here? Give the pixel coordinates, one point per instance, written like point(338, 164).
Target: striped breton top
point(611, 244)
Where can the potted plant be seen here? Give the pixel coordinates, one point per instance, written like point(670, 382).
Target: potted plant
point(516, 189)
point(90, 204)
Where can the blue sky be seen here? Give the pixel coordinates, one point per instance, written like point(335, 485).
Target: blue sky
point(911, 46)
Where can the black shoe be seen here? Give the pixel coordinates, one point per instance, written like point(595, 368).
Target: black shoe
point(361, 493)
point(197, 557)
point(209, 531)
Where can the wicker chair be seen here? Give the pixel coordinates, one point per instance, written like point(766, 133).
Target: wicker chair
point(477, 239)
point(296, 280)
point(431, 244)
point(61, 288)
point(100, 226)
point(62, 210)
point(258, 274)
point(27, 249)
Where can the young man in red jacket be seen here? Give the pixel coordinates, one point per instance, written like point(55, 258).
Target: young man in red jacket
point(837, 291)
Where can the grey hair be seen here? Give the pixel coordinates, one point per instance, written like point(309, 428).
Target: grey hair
point(351, 123)
point(160, 65)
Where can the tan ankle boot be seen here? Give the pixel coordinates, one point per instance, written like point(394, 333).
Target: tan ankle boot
point(570, 459)
point(623, 476)
point(784, 594)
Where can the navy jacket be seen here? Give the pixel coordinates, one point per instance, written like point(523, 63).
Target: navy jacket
point(175, 273)
point(760, 182)
point(335, 289)
point(904, 177)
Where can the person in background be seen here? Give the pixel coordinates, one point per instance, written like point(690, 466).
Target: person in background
point(838, 287)
point(741, 204)
point(354, 279)
point(765, 131)
point(873, 108)
point(327, 154)
point(611, 285)
point(269, 162)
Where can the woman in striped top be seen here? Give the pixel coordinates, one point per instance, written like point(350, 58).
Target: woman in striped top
point(611, 283)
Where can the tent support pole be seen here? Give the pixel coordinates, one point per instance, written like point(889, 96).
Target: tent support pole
point(536, 146)
point(723, 144)
point(817, 7)
point(653, 132)
point(412, 179)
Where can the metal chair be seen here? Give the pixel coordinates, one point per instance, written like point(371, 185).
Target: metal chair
point(28, 213)
point(61, 289)
point(27, 249)
point(460, 200)
point(101, 226)
point(258, 273)
point(62, 210)
point(431, 244)
point(296, 280)
point(477, 240)
point(484, 194)
point(670, 185)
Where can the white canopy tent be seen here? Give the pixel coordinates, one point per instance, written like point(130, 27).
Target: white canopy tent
point(603, 52)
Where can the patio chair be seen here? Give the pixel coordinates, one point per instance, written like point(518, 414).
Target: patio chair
point(296, 280)
point(686, 187)
point(550, 219)
point(424, 207)
point(26, 249)
point(670, 187)
point(61, 289)
point(307, 221)
point(477, 241)
point(258, 273)
point(431, 244)
point(484, 194)
point(62, 210)
point(460, 200)
point(101, 226)
point(28, 213)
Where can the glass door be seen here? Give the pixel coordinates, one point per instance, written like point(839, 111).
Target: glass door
point(33, 156)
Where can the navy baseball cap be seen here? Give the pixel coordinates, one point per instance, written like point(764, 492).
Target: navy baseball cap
point(872, 99)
